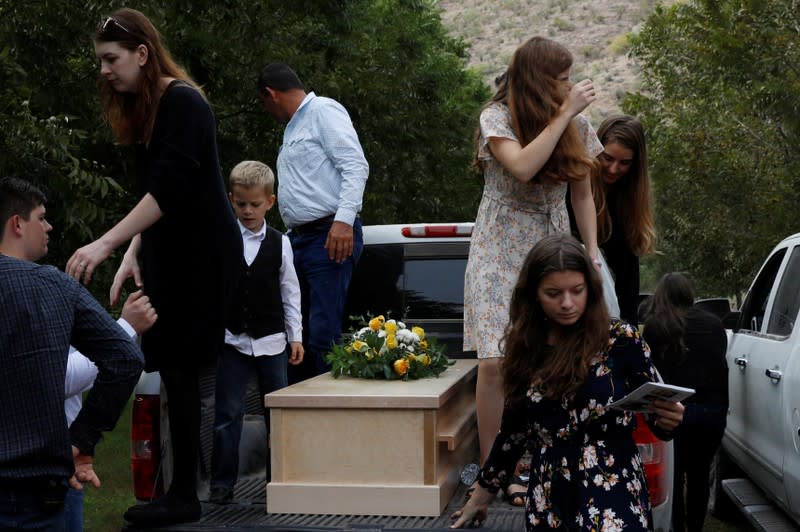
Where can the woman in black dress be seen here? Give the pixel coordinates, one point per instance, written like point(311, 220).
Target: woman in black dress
point(182, 230)
point(688, 346)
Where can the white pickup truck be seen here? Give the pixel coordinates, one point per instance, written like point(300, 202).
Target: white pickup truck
point(758, 467)
point(416, 272)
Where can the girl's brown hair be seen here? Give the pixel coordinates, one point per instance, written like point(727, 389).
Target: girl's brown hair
point(667, 317)
point(530, 89)
point(633, 199)
point(131, 115)
point(556, 371)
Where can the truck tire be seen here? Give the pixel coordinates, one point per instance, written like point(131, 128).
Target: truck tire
point(719, 504)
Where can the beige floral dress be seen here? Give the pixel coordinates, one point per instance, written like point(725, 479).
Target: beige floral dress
point(586, 472)
point(512, 217)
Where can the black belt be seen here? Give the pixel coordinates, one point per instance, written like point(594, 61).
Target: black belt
point(314, 225)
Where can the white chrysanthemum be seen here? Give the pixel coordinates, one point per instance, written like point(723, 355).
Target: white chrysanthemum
point(401, 325)
point(405, 336)
point(381, 334)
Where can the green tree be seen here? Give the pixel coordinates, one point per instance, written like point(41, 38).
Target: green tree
point(389, 62)
point(722, 110)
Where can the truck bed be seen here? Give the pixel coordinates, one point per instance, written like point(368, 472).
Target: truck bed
point(249, 513)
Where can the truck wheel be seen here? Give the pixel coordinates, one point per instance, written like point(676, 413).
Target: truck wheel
point(719, 504)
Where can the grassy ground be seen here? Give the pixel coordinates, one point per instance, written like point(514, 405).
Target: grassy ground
point(103, 507)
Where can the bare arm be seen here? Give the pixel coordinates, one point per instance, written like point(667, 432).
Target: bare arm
point(129, 267)
point(525, 162)
point(585, 214)
point(84, 261)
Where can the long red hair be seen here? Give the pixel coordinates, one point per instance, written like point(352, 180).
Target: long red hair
point(131, 115)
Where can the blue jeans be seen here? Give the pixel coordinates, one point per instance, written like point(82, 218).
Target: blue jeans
point(73, 511)
point(233, 370)
point(323, 286)
point(23, 509)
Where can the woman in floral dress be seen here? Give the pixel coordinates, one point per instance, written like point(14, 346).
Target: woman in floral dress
point(531, 142)
point(563, 367)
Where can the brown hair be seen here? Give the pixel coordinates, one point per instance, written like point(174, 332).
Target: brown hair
point(131, 115)
point(632, 198)
point(530, 89)
point(18, 198)
point(556, 371)
point(667, 317)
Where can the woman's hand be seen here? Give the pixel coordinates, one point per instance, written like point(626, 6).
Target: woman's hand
point(580, 96)
point(476, 510)
point(668, 414)
point(129, 267)
point(84, 261)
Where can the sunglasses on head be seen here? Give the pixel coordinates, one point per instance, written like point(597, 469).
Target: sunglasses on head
point(105, 25)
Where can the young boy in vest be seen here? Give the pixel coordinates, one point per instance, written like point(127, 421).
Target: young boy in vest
point(264, 316)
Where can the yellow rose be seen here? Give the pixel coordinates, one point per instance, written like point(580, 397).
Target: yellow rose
point(401, 366)
point(419, 331)
point(391, 341)
point(359, 346)
point(375, 323)
point(369, 354)
point(411, 357)
point(423, 344)
point(390, 327)
point(424, 359)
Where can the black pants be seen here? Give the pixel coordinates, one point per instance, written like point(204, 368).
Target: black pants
point(696, 441)
point(183, 396)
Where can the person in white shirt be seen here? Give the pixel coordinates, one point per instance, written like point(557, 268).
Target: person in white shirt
point(138, 315)
point(265, 315)
point(322, 174)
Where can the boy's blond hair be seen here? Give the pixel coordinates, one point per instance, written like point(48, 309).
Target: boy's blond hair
point(249, 174)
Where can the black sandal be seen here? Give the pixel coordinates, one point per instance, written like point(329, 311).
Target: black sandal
point(516, 498)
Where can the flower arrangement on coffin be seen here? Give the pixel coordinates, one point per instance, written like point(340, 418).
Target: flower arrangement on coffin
point(387, 349)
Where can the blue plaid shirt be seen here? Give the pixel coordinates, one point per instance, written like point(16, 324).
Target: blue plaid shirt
point(42, 312)
point(321, 166)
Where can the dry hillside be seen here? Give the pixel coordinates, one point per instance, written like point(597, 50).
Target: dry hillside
point(595, 31)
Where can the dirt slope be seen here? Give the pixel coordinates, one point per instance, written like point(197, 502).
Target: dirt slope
point(595, 31)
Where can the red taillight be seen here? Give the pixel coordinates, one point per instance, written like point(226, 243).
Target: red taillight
point(146, 447)
point(654, 455)
point(452, 230)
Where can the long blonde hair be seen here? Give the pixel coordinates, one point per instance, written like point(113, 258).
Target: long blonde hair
point(530, 89)
point(632, 195)
point(131, 115)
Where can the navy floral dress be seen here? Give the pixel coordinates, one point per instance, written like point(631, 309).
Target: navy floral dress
point(586, 472)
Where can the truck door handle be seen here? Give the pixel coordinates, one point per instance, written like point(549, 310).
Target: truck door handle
point(774, 374)
point(740, 361)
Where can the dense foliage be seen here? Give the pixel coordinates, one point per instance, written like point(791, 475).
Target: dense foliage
point(389, 62)
point(722, 110)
